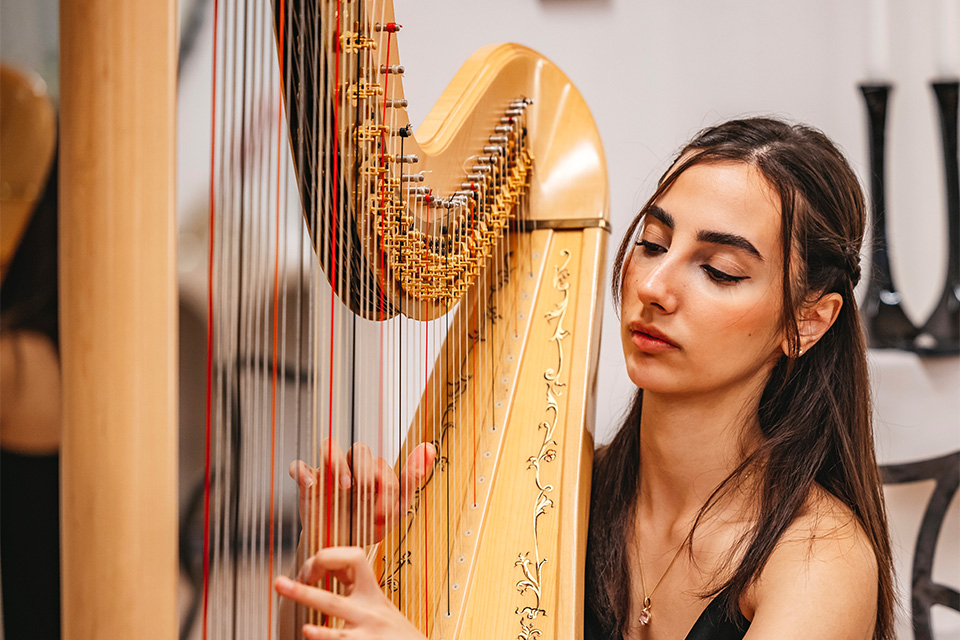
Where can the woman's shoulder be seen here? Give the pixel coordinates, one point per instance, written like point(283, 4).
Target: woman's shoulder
point(826, 519)
point(30, 387)
point(823, 573)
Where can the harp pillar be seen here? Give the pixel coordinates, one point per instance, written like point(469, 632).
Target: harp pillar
point(118, 318)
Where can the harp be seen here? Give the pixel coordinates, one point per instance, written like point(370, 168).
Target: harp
point(502, 244)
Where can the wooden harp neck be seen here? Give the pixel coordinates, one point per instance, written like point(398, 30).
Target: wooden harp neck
point(413, 216)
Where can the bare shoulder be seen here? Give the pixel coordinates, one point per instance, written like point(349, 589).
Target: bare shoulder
point(828, 532)
point(30, 387)
point(821, 580)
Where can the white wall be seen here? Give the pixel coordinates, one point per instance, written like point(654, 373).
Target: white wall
point(29, 38)
point(656, 72)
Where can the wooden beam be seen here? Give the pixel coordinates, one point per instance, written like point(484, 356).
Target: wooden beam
point(118, 318)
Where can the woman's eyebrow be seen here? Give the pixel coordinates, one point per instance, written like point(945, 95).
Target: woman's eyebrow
point(657, 213)
point(730, 240)
point(711, 237)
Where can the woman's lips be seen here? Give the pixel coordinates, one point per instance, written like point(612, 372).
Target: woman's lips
point(649, 339)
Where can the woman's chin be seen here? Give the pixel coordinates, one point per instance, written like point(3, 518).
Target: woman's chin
point(649, 381)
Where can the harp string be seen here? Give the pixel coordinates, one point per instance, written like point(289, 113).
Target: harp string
point(258, 330)
point(380, 301)
point(334, 246)
point(279, 335)
point(276, 321)
point(209, 354)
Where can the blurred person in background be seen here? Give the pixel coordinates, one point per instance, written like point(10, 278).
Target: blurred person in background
point(29, 360)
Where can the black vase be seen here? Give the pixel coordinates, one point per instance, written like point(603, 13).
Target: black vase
point(940, 334)
point(887, 326)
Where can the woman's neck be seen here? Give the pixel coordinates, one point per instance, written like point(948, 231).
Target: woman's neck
point(687, 448)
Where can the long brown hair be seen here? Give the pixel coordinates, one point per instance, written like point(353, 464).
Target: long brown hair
point(815, 412)
point(29, 292)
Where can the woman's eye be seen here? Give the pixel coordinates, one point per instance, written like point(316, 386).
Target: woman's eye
point(650, 247)
point(719, 276)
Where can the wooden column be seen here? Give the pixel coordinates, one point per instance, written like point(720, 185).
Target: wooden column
point(118, 318)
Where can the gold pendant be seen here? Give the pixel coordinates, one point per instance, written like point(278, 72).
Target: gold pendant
point(645, 612)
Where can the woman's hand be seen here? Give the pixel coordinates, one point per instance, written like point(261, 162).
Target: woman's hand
point(365, 610)
point(361, 497)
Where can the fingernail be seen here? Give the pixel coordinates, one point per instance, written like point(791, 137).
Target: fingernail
point(284, 583)
point(345, 481)
point(308, 482)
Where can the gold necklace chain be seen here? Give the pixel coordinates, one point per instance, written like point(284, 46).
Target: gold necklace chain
point(645, 614)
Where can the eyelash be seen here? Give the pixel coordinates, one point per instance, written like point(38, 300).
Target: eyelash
point(713, 273)
point(650, 247)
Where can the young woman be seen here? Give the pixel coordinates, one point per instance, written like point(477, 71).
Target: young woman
point(29, 361)
point(741, 497)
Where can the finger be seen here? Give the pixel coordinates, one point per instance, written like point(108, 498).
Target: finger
point(361, 464)
point(313, 632)
point(367, 475)
point(388, 497)
point(347, 564)
point(315, 570)
point(305, 477)
point(415, 472)
point(335, 462)
point(302, 473)
point(319, 599)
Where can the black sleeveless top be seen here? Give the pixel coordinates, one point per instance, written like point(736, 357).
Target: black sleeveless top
point(714, 624)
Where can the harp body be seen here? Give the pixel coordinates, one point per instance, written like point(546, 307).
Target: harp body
point(511, 562)
point(513, 420)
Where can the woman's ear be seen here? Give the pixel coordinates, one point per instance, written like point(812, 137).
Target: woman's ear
point(815, 319)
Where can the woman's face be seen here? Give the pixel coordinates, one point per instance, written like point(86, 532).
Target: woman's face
point(701, 288)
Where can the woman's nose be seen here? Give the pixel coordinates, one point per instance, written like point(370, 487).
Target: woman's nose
point(657, 284)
